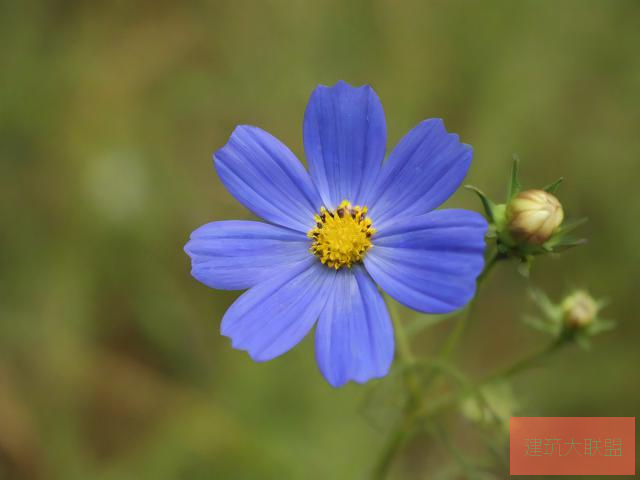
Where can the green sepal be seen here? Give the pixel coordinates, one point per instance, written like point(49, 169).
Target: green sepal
point(561, 240)
point(545, 304)
point(488, 205)
point(541, 325)
point(566, 243)
point(514, 183)
point(601, 326)
point(568, 227)
point(552, 188)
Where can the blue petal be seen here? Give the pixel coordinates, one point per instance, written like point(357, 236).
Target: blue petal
point(422, 171)
point(345, 138)
point(272, 317)
point(234, 255)
point(263, 175)
point(354, 336)
point(430, 263)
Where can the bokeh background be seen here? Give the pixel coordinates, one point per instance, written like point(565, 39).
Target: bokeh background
point(111, 364)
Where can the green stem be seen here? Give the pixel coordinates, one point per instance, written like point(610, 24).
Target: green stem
point(402, 340)
point(442, 435)
point(454, 337)
point(394, 442)
point(413, 403)
point(456, 334)
point(529, 361)
point(413, 406)
point(525, 363)
point(406, 356)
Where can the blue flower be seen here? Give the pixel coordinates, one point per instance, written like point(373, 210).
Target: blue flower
point(332, 233)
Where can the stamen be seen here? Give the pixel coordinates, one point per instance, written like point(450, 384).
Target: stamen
point(343, 239)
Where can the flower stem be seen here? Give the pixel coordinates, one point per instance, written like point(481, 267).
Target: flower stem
point(413, 405)
point(454, 337)
point(456, 334)
point(418, 415)
point(446, 402)
point(525, 363)
point(394, 442)
point(402, 340)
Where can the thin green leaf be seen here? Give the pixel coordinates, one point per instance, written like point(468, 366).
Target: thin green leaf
point(514, 182)
point(601, 326)
point(539, 324)
point(552, 188)
point(567, 243)
point(543, 302)
point(570, 226)
point(486, 202)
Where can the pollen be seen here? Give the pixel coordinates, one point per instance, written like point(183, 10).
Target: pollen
point(341, 236)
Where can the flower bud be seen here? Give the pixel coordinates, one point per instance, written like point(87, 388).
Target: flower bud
point(533, 216)
point(579, 310)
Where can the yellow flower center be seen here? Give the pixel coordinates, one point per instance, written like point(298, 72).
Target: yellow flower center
point(341, 237)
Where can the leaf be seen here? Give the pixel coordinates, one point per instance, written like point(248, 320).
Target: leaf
point(486, 202)
point(552, 188)
point(601, 326)
point(567, 243)
point(514, 183)
point(570, 226)
point(543, 302)
point(539, 324)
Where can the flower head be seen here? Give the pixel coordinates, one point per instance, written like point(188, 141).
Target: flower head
point(533, 216)
point(579, 309)
point(337, 232)
point(341, 237)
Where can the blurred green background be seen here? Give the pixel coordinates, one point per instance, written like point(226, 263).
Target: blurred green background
point(111, 364)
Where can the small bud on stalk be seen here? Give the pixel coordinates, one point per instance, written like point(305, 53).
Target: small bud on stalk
point(533, 216)
point(529, 223)
point(575, 319)
point(579, 310)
